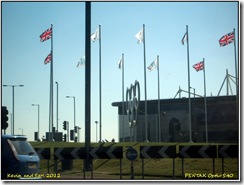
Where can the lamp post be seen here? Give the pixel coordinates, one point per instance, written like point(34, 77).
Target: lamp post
point(74, 107)
point(13, 86)
point(57, 105)
point(38, 121)
point(96, 129)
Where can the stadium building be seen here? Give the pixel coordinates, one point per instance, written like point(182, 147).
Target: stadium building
point(222, 120)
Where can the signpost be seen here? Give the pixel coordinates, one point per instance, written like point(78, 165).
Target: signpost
point(95, 153)
point(157, 152)
point(131, 155)
point(106, 152)
point(227, 151)
point(197, 151)
point(44, 153)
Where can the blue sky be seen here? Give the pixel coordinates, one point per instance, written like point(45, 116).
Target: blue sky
point(165, 24)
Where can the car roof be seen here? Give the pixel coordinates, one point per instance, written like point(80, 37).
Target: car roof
point(7, 136)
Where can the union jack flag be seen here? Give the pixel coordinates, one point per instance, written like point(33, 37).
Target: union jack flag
point(48, 59)
point(46, 35)
point(227, 39)
point(199, 66)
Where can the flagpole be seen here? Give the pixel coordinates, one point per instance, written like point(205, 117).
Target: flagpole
point(159, 121)
point(51, 92)
point(235, 63)
point(52, 86)
point(205, 103)
point(189, 95)
point(100, 89)
point(237, 80)
point(49, 130)
point(123, 109)
point(145, 83)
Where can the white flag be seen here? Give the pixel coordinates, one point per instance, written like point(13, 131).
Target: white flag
point(95, 36)
point(139, 36)
point(81, 62)
point(153, 65)
point(120, 63)
point(184, 38)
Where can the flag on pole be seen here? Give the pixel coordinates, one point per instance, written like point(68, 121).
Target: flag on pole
point(48, 59)
point(226, 39)
point(120, 63)
point(184, 39)
point(199, 66)
point(46, 35)
point(95, 35)
point(81, 62)
point(153, 65)
point(139, 36)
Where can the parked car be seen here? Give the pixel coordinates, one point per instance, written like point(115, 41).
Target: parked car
point(18, 158)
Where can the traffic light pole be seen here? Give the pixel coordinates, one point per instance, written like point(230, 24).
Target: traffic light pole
point(66, 127)
point(4, 119)
point(13, 86)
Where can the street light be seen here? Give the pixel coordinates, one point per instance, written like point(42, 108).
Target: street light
point(13, 86)
point(74, 107)
point(96, 129)
point(38, 127)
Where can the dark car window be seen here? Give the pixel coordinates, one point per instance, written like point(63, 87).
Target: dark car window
point(22, 147)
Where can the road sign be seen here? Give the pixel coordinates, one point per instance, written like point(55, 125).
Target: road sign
point(228, 151)
point(107, 152)
point(43, 153)
point(131, 154)
point(69, 153)
point(157, 152)
point(95, 153)
point(198, 151)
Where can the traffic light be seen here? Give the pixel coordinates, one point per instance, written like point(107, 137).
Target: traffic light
point(75, 129)
point(64, 125)
point(36, 136)
point(4, 117)
point(72, 134)
point(64, 137)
